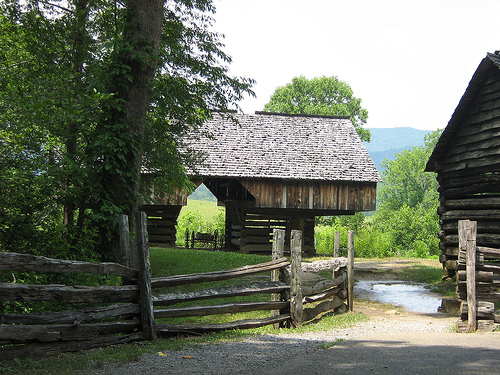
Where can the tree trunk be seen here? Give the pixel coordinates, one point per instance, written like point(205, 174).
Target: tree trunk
point(137, 57)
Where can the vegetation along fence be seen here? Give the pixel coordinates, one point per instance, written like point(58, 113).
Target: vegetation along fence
point(478, 281)
point(104, 315)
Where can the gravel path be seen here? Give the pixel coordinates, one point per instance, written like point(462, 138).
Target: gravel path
point(388, 343)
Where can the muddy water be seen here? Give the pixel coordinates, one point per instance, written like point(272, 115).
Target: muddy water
point(410, 296)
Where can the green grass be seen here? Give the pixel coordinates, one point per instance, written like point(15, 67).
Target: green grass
point(205, 208)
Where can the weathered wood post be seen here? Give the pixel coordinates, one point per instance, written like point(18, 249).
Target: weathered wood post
point(350, 269)
point(296, 305)
point(146, 299)
point(336, 244)
point(467, 233)
point(123, 255)
point(278, 275)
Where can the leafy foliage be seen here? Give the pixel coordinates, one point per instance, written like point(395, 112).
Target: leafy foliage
point(320, 96)
point(89, 99)
point(406, 222)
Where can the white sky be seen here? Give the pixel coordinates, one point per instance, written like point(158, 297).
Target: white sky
point(408, 61)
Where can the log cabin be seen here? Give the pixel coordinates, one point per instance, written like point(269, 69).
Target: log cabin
point(274, 170)
point(467, 162)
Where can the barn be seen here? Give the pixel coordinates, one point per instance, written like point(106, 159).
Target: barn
point(467, 162)
point(274, 170)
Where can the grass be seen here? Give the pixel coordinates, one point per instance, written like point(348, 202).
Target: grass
point(206, 209)
point(166, 262)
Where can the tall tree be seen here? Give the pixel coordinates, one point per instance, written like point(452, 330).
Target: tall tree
point(320, 96)
point(99, 90)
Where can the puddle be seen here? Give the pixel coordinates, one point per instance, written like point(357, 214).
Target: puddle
point(410, 296)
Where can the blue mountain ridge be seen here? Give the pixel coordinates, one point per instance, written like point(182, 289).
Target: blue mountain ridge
point(387, 142)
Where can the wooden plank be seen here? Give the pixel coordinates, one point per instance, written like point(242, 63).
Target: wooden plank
point(473, 203)
point(350, 269)
point(277, 275)
point(28, 262)
point(73, 316)
point(63, 332)
point(124, 252)
point(471, 214)
point(296, 306)
point(485, 310)
point(43, 350)
point(321, 296)
point(471, 230)
point(229, 308)
point(307, 291)
point(69, 294)
point(481, 276)
point(169, 329)
point(161, 282)
point(221, 292)
point(146, 298)
point(489, 252)
point(323, 307)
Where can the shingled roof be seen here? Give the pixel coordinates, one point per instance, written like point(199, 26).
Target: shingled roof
point(270, 145)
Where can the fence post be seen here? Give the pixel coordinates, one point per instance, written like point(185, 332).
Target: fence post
point(277, 275)
point(336, 244)
point(296, 306)
point(467, 233)
point(123, 254)
point(146, 299)
point(350, 269)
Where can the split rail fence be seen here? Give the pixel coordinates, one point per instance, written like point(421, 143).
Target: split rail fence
point(106, 315)
point(478, 281)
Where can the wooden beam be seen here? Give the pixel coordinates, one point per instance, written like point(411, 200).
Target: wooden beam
point(161, 282)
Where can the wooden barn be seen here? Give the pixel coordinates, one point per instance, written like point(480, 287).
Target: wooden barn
point(280, 171)
point(467, 162)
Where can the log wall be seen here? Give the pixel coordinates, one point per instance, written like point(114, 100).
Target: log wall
point(469, 174)
point(162, 221)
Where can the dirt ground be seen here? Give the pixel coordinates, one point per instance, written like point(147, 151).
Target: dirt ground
point(392, 341)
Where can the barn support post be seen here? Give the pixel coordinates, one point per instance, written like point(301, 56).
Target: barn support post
point(278, 275)
point(146, 298)
point(296, 304)
point(350, 269)
point(336, 244)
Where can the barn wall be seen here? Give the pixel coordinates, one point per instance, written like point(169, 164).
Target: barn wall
point(312, 195)
point(469, 174)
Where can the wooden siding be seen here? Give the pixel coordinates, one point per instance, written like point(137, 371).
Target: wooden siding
point(162, 221)
point(469, 168)
point(312, 195)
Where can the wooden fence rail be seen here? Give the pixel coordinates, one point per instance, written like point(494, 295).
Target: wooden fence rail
point(478, 281)
point(137, 309)
point(45, 333)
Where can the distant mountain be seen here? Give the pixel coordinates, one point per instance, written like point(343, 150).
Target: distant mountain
point(387, 142)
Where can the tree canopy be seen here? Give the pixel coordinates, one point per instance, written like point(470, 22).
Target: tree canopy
point(92, 93)
point(320, 96)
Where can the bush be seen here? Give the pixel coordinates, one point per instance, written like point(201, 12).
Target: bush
point(372, 243)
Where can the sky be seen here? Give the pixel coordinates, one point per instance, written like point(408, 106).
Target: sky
point(408, 61)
